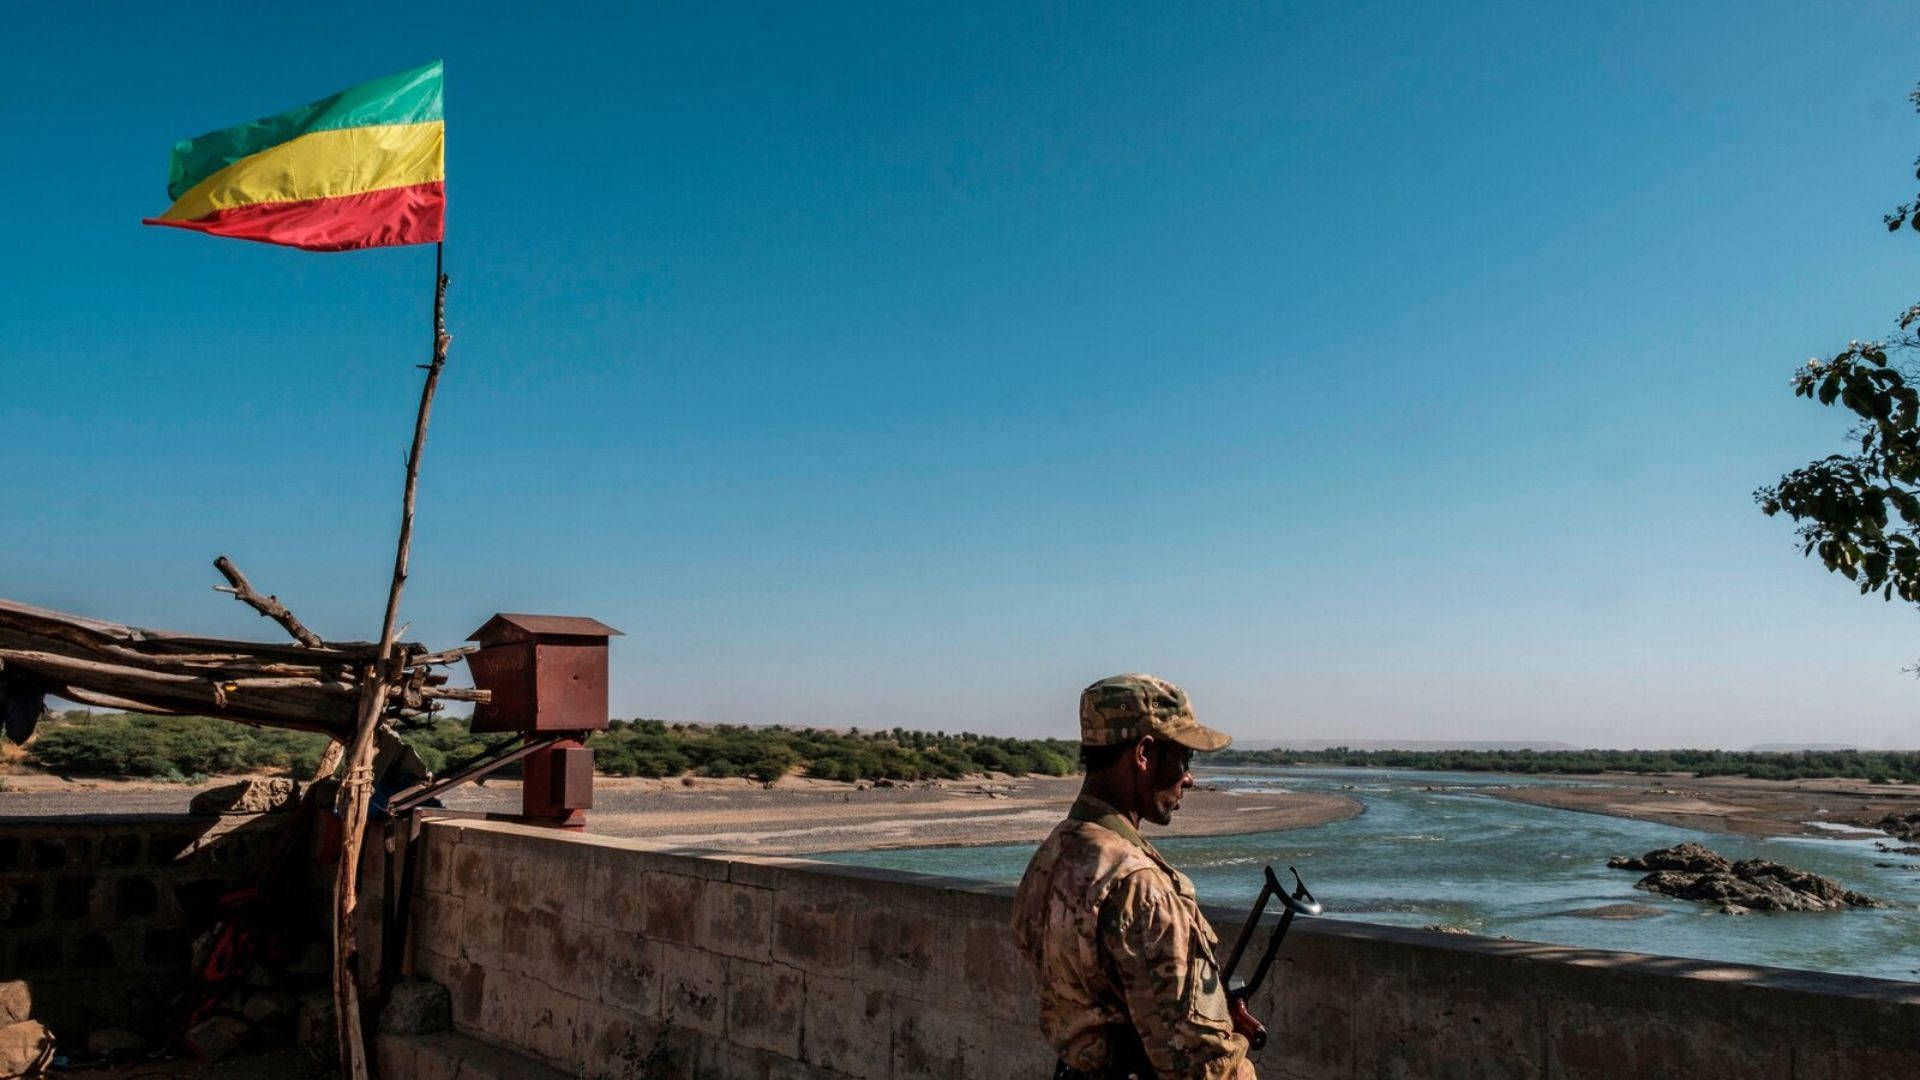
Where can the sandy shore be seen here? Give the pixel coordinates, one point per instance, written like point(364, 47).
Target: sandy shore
point(794, 816)
point(1733, 804)
point(797, 816)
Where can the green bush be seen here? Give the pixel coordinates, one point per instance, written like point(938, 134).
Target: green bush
point(653, 748)
point(168, 747)
point(180, 747)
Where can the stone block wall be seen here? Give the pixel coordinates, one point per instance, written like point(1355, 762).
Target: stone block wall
point(98, 913)
point(605, 959)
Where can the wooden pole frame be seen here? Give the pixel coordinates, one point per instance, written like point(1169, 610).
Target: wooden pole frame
point(356, 788)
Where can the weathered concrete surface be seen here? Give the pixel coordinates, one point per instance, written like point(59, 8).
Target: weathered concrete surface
point(602, 958)
point(254, 795)
point(447, 1056)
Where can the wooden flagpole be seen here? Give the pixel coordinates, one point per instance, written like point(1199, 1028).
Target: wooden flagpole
point(357, 787)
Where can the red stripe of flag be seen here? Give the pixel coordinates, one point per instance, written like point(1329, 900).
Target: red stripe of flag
point(401, 215)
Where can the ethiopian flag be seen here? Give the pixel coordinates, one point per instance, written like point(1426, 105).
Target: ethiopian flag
point(363, 168)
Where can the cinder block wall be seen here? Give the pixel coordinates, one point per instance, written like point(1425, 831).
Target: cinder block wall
point(593, 953)
point(600, 957)
point(99, 913)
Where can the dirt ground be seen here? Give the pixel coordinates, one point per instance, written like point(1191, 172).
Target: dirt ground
point(793, 816)
point(283, 1063)
point(1732, 804)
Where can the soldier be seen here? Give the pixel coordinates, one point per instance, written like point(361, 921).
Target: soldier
point(1129, 986)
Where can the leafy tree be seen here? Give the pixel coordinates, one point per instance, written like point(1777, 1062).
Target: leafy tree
point(1860, 511)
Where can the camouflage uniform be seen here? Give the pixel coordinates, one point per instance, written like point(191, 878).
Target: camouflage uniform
point(1125, 961)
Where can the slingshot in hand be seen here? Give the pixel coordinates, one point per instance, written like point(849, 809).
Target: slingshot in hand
point(1299, 902)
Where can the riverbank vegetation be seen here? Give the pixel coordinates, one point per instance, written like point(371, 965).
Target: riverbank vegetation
point(167, 747)
point(1879, 766)
point(186, 747)
point(657, 748)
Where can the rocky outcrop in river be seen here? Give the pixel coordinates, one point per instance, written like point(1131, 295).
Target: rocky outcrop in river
point(1698, 873)
point(1901, 826)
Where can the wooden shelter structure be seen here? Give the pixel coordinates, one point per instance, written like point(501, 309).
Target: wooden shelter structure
point(348, 691)
point(303, 687)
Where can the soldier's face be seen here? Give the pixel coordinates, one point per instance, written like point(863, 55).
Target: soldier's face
point(1169, 779)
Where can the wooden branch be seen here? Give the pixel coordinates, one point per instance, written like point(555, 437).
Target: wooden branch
point(231, 685)
point(184, 659)
point(457, 693)
point(329, 760)
point(96, 635)
point(379, 679)
point(450, 656)
point(110, 701)
point(272, 608)
point(73, 666)
point(205, 662)
point(274, 685)
point(269, 606)
point(301, 704)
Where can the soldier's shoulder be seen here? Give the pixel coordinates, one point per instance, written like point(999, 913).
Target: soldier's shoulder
point(1075, 865)
point(1081, 855)
point(1086, 840)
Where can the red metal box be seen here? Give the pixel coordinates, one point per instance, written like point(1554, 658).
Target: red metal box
point(546, 673)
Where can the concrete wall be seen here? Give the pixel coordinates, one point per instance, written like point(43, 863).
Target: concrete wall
point(603, 958)
point(99, 913)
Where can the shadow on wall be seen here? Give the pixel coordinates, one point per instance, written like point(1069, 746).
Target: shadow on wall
point(109, 917)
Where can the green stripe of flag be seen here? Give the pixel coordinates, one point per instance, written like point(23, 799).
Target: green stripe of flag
point(411, 97)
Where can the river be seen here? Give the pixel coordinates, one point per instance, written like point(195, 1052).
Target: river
point(1435, 848)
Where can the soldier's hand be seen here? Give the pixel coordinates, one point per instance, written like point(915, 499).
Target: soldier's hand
point(1245, 1024)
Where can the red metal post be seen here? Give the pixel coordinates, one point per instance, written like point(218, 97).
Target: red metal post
point(557, 788)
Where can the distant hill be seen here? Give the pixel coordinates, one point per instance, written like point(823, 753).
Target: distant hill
point(1792, 747)
point(1880, 767)
point(1395, 744)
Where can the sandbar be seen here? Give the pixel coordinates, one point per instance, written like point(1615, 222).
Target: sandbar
point(1827, 807)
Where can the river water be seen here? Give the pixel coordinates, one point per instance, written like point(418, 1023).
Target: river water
point(1436, 848)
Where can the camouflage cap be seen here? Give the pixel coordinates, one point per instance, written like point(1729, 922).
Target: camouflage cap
point(1123, 708)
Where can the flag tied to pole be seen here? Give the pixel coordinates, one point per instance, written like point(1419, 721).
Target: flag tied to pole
point(363, 168)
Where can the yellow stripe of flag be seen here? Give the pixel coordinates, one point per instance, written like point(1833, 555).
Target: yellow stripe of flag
point(321, 165)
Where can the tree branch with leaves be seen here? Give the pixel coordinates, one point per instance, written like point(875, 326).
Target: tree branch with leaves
point(1860, 511)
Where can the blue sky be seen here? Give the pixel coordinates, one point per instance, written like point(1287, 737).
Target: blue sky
point(1371, 372)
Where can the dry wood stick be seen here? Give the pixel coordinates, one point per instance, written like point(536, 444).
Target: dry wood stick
point(272, 608)
point(135, 640)
point(61, 664)
point(268, 606)
point(356, 789)
point(457, 693)
point(329, 760)
point(199, 662)
point(450, 656)
point(248, 682)
point(108, 701)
